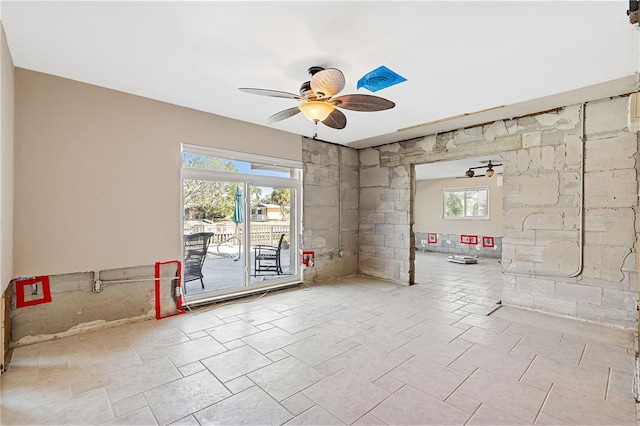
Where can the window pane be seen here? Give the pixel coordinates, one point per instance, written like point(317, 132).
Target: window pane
point(454, 204)
point(198, 161)
point(483, 203)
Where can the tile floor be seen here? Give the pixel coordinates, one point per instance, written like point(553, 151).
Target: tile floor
point(355, 351)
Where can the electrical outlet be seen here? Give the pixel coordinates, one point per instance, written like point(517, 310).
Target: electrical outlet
point(309, 259)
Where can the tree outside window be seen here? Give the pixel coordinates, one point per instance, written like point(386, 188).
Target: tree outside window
point(466, 203)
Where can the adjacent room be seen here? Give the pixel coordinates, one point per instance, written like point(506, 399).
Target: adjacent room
point(319, 213)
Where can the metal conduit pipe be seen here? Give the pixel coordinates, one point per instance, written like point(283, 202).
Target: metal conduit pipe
point(580, 268)
point(98, 283)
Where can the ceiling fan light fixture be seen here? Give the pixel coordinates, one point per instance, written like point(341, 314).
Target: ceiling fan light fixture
point(469, 173)
point(316, 110)
point(489, 172)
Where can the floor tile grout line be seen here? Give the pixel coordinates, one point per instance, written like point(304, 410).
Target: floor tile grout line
point(584, 350)
point(544, 401)
point(380, 403)
point(474, 413)
point(528, 368)
point(459, 356)
point(516, 345)
point(460, 385)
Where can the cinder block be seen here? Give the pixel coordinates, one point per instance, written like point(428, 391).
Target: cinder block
point(320, 218)
point(395, 241)
point(350, 220)
point(366, 249)
point(612, 227)
point(370, 198)
point(542, 287)
point(616, 152)
point(372, 240)
point(322, 196)
point(556, 306)
point(374, 176)
point(570, 182)
point(375, 217)
point(573, 149)
point(579, 293)
point(606, 116)
point(367, 228)
point(394, 218)
point(369, 157)
point(529, 253)
point(544, 221)
point(512, 298)
point(608, 315)
point(385, 252)
point(531, 139)
point(551, 138)
point(561, 257)
point(535, 158)
point(624, 301)
point(350, 156)
point(605, 262)
point(522, 160)
point(386, 207)
point(611, 188)
point(519, 238)
point(350, 198)
point(548, 157)
point(533, 191)
point(426, 145)
point(384, 229)
point(548, 237)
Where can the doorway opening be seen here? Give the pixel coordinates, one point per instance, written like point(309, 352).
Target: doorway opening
point(459, 213)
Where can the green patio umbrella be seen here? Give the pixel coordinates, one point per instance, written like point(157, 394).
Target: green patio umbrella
point(237, 208)
point(237, 217)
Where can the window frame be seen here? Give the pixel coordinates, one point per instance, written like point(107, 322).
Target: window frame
point(464, 207)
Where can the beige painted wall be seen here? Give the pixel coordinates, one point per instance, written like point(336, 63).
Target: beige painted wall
point(6, 162)
point(97, 181)
point(429, 207)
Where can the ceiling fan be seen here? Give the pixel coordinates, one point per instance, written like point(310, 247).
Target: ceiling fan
point(317, 101)
point(488, 173)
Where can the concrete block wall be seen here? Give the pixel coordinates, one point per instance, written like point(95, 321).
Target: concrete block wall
point(547, 237)
point(385, 203)
point(450, 243)
point(330, 209)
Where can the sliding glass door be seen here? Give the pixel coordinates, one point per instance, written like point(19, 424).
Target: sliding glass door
point(213, 231)
point(241, 223)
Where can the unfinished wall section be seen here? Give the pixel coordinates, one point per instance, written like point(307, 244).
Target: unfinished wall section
point(385, 204)
point(330, 207)
point(558, 257)
point(127, 294)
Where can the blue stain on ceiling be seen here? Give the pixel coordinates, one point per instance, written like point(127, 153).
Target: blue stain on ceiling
point(380, 78)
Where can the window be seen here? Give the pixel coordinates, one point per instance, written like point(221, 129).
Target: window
point(466, 203)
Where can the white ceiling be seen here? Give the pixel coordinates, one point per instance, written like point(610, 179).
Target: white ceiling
point(457, 57)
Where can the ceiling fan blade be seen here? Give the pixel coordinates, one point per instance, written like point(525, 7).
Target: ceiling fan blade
point(362, 103)
point(327, 83)
point(273, 93)
point(336, 119)
point(279, 116)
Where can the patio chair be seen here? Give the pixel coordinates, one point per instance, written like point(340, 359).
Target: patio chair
point(267, 258)
point(195, 253)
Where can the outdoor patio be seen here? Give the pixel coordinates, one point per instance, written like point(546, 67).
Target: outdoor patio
point(223, 271)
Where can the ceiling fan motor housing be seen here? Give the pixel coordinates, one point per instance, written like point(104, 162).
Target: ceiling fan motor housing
point(305, 90)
